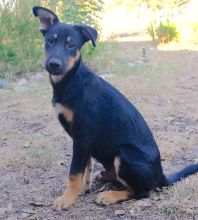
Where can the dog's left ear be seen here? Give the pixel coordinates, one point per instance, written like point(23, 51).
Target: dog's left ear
point(88, 33)
point(47, 18)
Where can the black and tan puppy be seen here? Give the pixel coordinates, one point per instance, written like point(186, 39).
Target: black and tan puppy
point(101, 121)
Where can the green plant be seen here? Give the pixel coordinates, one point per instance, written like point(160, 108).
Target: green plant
point(151, 31)
point(82, 11)
point(20, 49)
point(20, 40)
point(165, 32)
point(78, 12)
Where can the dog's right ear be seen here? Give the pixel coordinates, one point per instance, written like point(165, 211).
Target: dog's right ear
point(47, 18)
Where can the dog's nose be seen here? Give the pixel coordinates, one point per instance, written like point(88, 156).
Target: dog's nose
point(55, 64)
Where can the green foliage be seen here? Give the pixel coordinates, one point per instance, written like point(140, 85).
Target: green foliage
point(167, 32)
point(20, 40)
point(83, 11)
point(151, 31)
point(20, 49)
point(164, 33)
point(78, 12)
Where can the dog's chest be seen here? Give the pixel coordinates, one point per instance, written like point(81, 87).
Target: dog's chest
point(65, 115)
point(64, 111)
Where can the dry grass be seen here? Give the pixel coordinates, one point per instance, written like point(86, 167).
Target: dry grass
point(35, 152)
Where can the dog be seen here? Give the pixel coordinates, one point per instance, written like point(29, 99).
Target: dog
point(101, 121)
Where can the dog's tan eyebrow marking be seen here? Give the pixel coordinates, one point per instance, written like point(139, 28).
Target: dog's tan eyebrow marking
point(55, 35)
point(68, 39)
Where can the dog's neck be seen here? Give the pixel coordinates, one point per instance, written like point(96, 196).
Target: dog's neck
point(68, 84)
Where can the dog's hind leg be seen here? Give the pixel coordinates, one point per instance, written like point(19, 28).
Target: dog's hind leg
point(136, 175)
point(112, 197)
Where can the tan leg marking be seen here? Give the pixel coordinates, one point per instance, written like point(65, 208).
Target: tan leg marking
point(87, 177)
point(112, 197)
point(70, 194)
point(117, 168)
point(66, 112)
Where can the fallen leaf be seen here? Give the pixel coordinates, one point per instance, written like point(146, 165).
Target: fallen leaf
point(119, 212)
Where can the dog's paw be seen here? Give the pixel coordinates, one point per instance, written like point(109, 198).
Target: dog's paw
point(62, 203)
point(105, 198)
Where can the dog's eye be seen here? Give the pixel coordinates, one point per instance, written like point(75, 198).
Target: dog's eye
point(71, 45)
point(51, 41)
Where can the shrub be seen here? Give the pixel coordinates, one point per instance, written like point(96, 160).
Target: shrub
point(20, 40)
point(151, 31)
point(167, 32)
point(20, 49)
point(164, 33)
point(82, 11)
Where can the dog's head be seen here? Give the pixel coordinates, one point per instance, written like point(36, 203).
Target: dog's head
point(62, 42)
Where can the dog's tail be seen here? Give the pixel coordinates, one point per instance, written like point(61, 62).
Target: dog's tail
point(185, 172)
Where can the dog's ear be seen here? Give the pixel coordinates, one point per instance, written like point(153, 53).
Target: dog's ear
point(87, 33)
point(47, 18)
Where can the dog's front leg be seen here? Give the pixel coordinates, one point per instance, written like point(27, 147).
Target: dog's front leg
point(87, 177)
point(75, 184)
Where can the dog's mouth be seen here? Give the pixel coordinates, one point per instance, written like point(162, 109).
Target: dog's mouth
point(56, 74)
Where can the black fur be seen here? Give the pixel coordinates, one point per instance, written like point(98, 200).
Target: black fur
point(185, 172)
point(105, 124)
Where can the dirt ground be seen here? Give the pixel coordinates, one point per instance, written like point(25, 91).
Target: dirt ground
point(35, 152)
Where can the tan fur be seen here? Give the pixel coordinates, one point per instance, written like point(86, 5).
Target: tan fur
point(117, 168)
point(68, 39)
point(112, 197)
point(43, 26)
point(57, 78)
point(76, 185)
point(72, 60)
point(66, 112)
point(43, 16)
point(70, 194)
point(55, 36)
point(87, 176)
